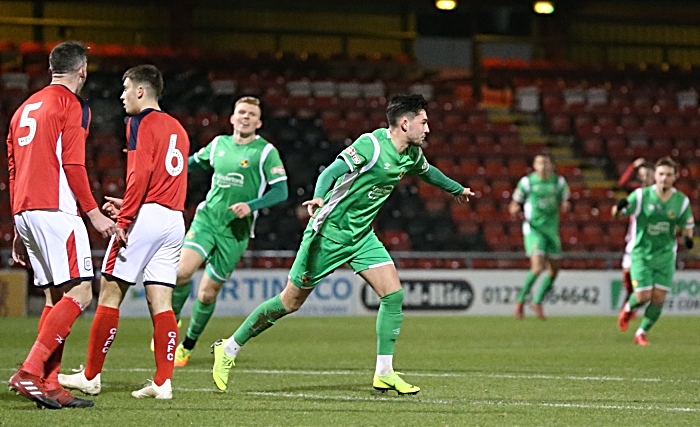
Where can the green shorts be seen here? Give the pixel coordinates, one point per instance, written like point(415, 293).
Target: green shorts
point(646, 276)
point(319, 256)
point(538, 242)
point(222, 253)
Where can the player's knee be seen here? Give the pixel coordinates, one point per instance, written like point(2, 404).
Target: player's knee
point(184, 274)
point(208, 296)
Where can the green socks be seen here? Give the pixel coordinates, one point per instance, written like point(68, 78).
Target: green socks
point(264, 316)
point(180, 295)
point(389, 322)
point(201, 313)
point(651, 315)
point(529, 281)
point(547, 283)
point(632, 301)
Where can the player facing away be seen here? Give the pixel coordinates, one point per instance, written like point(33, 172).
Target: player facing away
point(347, 198)
point(658, 210)
point(244, 164)
point(48, 182)
point(644, 173)
point(150, 231)
point(540, 196)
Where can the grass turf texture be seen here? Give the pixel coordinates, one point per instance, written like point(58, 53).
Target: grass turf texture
point(318, 371)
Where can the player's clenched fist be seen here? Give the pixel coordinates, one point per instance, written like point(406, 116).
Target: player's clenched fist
point(104, 225)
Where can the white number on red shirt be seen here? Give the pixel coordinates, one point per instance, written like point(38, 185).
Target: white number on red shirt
point(173, 152)
point(26, 121)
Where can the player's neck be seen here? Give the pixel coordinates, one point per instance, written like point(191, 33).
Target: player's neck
point(664, 194)
point(149, 105)
point(398, 139)
point(70, 83)
point(241, 139)
point(543, 176)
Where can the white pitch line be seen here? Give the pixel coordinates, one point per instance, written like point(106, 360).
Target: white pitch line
point(475, 402)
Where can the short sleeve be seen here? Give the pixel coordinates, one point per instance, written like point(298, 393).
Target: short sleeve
point(273, 168)
point(522, 190)
point(563, 189)
point(359, 153)
point(685, 219)
point(634, 201)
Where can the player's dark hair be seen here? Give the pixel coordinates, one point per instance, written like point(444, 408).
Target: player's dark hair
point(666, 161)
point(67, 57)
point(404, 105)
point(646, 165)
point(147, 74)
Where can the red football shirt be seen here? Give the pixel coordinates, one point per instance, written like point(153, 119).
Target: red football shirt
point(156, 165)
point(47, 132)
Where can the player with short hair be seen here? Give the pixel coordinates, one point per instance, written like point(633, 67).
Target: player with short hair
point(48, 182)
point(540, 196)
point(347, 198)
point(658, 210)
point(150, 231)
point(644, 172)
point(244, 164)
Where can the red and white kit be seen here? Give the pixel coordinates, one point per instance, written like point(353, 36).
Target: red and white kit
point(156, 186)
point(48, 181)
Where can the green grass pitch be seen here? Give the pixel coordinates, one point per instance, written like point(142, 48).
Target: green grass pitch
point(473, 371)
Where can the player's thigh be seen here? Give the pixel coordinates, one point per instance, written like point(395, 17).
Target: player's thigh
point(662, 276)
point(201, 238)
point(371, 260)
point(58, 246)
point(642, 276)
point(534, 241)
point(224, 257)
point(161, 266)
point(190, 260)
point(316, 258)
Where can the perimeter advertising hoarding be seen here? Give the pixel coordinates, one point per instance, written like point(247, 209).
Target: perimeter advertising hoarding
point(456, 292)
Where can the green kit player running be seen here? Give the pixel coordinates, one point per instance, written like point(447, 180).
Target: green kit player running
point(540, 195)
point(244, 164)
point(658, 210)
point(362, 178)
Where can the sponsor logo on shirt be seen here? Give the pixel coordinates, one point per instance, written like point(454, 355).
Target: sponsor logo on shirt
point(380, 191)
point(278, 170)
point(228, 180)
point(190, 235)
point(353, 155)
point(658, 228)
point(244, 163)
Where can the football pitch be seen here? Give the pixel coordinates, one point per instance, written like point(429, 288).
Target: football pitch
point(473, 371)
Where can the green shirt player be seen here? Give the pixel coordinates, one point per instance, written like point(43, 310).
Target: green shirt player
point(244, 164)
point(347, 197)
point(540, 195)
point(658, 209)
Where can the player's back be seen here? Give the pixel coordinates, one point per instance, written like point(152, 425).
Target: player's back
point(47, 131)
point(168, 145)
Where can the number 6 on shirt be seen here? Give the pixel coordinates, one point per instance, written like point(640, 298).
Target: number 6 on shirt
point(173, 152)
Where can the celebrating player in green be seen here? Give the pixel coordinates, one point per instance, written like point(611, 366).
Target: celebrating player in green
point(362, 178)
point(539, 195)
point(244, 164)
point(658, 209)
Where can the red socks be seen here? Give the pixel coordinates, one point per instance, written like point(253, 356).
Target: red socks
point(54, 330)
point(102, 333)
point(164, 342)
point(45, 312)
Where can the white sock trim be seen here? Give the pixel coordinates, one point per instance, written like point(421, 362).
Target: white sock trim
point(232, 347)
point(640, 331)
point(384, 364)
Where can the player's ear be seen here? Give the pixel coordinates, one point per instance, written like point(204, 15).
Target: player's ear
point(230, 119)
point(259, 124)
point(404, 125)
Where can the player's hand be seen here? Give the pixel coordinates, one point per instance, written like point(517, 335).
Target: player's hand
point(565, 206)
point(104, 225)
point(514, 209)
point(313, 205)
point(19, 251)
point(638, 162)
point(113, 206)
point(241, 209)
point(613, 211)
point(464, 197)
point(121, 236)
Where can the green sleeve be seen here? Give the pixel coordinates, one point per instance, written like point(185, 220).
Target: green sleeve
point(201, 160)
point(277, 194)
point(632, 201)
point(359, 153)
point(329, 175)
point(273, 168)
point(685, 219)
point(434, 176)
point(522, 190)
point(421, 165)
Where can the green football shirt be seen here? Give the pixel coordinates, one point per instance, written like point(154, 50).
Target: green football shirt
point(356, 197)
point(242, 172)
point(541, 199)
point(656, 222)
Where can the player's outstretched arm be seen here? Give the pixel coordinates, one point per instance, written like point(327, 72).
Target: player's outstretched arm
point(435, 177)
point(619, 208)
point(278, 193)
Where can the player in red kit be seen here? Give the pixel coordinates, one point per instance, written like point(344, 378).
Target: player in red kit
point(48, 183)
point(149, 236)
